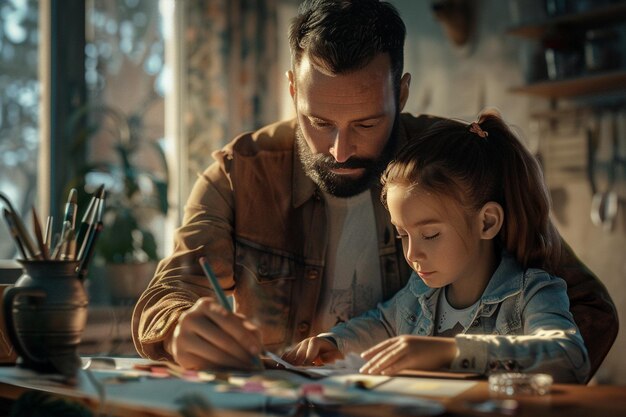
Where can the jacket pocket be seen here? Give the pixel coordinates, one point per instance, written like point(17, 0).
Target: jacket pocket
point(263, 292)
point(408, 320)
point(507, 318)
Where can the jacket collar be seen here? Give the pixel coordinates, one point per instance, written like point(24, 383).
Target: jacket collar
point(304, 188)
point(505, 282)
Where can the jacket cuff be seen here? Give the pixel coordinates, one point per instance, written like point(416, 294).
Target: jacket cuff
point(330, 338)
point(472, 354)
point(333, 338)
point(156, 351)
point(150, 341)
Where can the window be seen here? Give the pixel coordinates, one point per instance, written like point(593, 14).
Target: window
point(19, 108)
point(124, 75)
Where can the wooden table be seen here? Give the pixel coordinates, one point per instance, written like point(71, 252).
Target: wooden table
point(564, 401)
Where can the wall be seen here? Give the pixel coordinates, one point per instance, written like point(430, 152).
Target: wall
point(460, 82)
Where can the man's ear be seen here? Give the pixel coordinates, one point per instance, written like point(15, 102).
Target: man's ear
point(491, 218)
point(405, 83)
point(292, 84)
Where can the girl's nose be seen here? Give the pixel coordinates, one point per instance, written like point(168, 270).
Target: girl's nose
point(413, 251)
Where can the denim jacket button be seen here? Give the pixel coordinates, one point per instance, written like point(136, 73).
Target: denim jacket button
point(303, 327)
point(475, 323)
point(262, 269)
point(312, 274)
point(465, 363)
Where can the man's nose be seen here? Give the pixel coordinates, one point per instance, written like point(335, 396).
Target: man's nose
point(342, 148)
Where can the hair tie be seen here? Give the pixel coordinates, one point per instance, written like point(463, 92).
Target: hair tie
point(475, 128)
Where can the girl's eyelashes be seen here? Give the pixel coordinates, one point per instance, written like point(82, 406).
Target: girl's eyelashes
point(430, 237)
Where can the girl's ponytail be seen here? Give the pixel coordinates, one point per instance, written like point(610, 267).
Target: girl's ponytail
point(528, 232)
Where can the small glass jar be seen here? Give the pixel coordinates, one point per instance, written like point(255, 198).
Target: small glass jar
point(563, 56)
point(602, 49)
point(514, 383)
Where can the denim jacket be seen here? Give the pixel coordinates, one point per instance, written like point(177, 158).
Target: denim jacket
point(521, 322)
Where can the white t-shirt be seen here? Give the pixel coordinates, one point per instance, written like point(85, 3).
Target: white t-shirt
point(448, 321)
point(352, 281)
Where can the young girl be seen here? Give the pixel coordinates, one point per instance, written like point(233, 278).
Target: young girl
point(471, 208)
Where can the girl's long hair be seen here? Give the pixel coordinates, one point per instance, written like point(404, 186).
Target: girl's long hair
point(450, 159)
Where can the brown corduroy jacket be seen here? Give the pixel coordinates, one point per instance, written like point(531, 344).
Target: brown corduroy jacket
point(261, 223)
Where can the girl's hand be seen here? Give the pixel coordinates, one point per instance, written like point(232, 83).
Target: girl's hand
point(426, 353)
point(313, 351)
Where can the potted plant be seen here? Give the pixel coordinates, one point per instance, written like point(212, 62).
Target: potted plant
point(136, 192)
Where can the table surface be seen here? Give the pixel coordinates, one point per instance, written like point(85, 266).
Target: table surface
point(563, 400)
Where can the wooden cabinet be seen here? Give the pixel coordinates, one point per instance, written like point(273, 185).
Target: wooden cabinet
point(572, 25)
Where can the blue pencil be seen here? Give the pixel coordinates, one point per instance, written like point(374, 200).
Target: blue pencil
point(216, 285)
point(221, 296)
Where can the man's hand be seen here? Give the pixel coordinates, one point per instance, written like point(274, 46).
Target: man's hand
point(409, 352)
point(208, 336)
point(313, 351)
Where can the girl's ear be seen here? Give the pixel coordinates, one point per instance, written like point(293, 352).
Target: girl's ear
point(491, 218)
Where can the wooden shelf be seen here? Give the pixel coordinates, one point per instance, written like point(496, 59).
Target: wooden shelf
point(601, 16)
point(593, 84)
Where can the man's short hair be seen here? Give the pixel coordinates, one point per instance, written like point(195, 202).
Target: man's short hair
point(341, 36)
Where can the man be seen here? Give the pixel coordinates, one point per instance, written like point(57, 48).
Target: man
point(289, 216)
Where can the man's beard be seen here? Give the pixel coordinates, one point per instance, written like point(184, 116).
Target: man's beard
point(318, 166)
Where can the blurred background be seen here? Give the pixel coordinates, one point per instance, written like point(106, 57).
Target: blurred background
point(136, 94)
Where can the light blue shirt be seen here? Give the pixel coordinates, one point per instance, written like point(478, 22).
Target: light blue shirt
point(521, 322)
